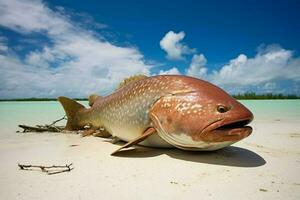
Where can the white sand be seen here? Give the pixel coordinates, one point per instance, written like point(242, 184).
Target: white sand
point(264, 166)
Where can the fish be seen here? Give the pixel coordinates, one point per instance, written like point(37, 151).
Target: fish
point(164, 111)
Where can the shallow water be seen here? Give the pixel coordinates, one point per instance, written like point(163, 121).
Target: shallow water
point(13, 113)
point(283, 110)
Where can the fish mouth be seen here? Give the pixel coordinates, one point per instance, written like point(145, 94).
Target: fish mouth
point(227, 130)
point(241, 123)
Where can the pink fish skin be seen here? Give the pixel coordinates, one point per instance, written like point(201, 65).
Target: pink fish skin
point(185, 112)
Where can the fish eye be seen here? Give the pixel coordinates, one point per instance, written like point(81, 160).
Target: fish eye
point(222, 109)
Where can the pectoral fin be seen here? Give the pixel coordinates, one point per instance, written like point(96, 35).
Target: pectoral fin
point(137, 140)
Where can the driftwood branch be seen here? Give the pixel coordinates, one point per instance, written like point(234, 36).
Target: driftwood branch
point(43, 128)
point(40, 128)
point(86, 131)
point(50, 170)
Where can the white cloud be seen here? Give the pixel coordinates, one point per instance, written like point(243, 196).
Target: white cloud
point(270, 64)
point(171, 43)
point(76, 64)
point(261, 73)
point(171, 71)
point(197, 67)
point(32, 16)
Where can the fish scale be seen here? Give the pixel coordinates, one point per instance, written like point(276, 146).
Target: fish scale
point(125, 113)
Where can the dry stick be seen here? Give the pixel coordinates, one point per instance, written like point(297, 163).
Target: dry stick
point(53, 123)
point(47, 169)
point(44, 128)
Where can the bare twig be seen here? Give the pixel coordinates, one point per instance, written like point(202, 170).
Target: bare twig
point(53, 123)
point(50, 170)
point(44, 128)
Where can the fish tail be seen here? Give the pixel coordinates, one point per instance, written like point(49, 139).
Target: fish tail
point(73, 111)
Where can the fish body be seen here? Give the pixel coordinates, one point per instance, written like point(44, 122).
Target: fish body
point(185, 112)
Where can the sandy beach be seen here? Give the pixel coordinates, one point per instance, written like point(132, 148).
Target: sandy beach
point(265, 165)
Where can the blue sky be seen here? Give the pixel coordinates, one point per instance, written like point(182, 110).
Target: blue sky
point(74, 48)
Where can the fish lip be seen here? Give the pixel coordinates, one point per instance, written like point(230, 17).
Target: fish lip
point(216, 125)
point(210, 126)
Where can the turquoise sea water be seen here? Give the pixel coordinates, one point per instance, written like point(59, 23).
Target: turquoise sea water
point(31, 113)
point(285, 110)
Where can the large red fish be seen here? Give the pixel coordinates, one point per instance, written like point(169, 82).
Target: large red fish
point(165, 111)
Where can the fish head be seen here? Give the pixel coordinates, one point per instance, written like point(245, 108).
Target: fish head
point(203, 118)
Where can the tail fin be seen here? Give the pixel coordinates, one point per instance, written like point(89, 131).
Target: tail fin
point(72, 109)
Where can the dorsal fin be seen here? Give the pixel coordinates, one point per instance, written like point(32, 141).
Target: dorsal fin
point(131, 79)
point(92, 99)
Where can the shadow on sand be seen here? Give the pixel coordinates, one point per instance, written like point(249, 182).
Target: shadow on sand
point(229, 156)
